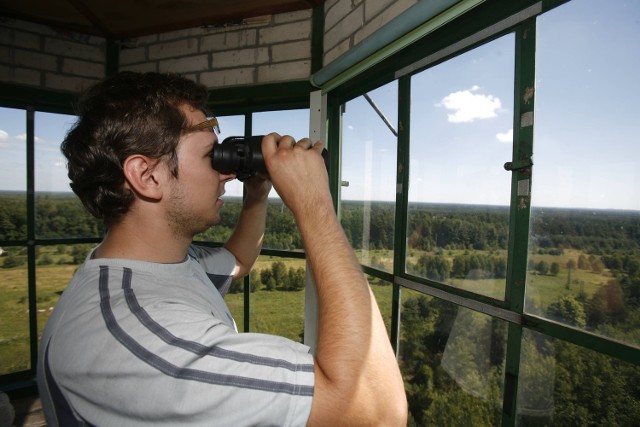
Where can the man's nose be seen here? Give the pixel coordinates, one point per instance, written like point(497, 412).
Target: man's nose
point(227, 176)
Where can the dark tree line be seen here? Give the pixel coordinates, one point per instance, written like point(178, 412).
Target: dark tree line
point(278, 277)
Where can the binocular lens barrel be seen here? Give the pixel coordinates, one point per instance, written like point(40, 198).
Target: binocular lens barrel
point(243, 156)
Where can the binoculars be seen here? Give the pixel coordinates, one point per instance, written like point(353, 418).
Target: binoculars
point(243, 156)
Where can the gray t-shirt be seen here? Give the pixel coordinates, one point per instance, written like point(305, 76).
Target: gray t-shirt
point(134, 343)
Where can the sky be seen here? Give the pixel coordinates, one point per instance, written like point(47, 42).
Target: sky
point(586, 144)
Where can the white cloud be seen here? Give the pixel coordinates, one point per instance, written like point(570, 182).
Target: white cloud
point(4, 136)
point(506, 137)
point(468, 106)
point(23, 137)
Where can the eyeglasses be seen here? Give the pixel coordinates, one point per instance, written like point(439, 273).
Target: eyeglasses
point(211, 123)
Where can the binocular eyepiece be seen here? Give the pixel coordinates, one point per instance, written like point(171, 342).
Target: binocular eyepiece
point(243, 156)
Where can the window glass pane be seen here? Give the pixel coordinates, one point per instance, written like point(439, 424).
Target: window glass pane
point(277, 299)
point(55, 265)
point(281, 231)
point(452, 361)
point(229, 126)
point(14, 310)
point(369, 153)
point(563, 384)
point(459, 192)
point(584, 258)
point(13, 174)
point(59, 213)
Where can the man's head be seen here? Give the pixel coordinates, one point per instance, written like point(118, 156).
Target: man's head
point(129, 113)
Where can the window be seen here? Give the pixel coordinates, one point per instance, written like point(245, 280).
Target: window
point(584, 255)
point(459, 192)
point(14, 293)
point(452, 361)
point(369, 153)
point(517, 299)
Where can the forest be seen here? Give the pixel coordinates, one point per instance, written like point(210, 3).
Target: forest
point(583, 270)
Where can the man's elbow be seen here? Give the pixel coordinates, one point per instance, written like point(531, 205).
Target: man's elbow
point(396, 412)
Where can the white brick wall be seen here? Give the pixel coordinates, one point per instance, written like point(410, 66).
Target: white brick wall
point(37, 55)
point(348, 22)
point(264, 50)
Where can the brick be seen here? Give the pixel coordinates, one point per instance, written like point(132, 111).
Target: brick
point(345, 28)
point(286, 32)
point(285, 71)
point(291, 51)
point(382, 19)
point(336, 14)
point(231, 77)
point(334, 53)
point(174, 49)
point(83, 68)
point(229, 40)
point(26, 76)
point(21, 39)
point(300, 15)
point(67, 83)
point(184, 65)
point(374, 7)
point(141, 68)
point(35, 60)
point(26, 40)
point(132, 55)
point(6, 55)
point(28, 27)
point(74, 50)
point(5, 74)
point(239, 58)
point(180, 34)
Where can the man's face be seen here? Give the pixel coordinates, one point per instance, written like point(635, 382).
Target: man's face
point(194, 199)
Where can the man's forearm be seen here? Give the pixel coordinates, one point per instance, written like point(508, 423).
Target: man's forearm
point(353, 351)
point(245, 242)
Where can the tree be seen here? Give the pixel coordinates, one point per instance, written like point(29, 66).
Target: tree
point(555, 268)
point(279, 274)
point(542, 267)
point(568, 310)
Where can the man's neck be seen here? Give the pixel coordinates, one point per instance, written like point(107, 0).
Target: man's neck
point(130, 240)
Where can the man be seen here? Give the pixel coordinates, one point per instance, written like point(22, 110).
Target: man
point(141, 336)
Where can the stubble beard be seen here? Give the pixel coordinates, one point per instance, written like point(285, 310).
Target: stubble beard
point(182, 219)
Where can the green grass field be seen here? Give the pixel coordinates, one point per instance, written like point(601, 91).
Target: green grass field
point(272, 312)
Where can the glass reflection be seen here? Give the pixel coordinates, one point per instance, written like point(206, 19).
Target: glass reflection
point(563, 384)
point(369, 157)
point(459, 192)
point(452, 360)
point(584, 253)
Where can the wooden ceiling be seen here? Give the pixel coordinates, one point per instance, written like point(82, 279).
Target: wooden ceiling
point(118, 19)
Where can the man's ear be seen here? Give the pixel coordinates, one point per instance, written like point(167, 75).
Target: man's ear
point(144, 176)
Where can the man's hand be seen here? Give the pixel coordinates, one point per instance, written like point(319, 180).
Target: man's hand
point(297, 172)
point(258, 188)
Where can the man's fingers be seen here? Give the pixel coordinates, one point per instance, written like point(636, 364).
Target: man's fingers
point(304, 143)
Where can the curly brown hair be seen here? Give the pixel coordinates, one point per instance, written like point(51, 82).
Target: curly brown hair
point(128, 113)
